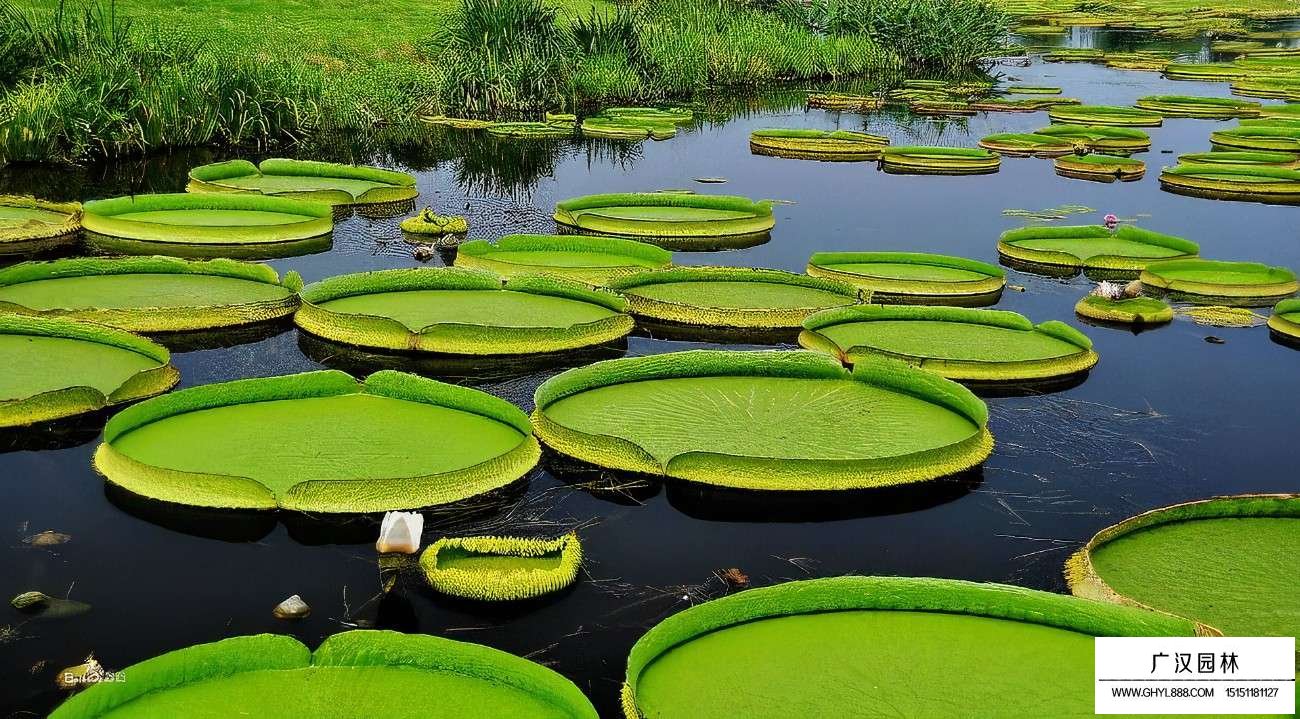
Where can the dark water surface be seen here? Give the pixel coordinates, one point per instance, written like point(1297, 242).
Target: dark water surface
point(1165, 417)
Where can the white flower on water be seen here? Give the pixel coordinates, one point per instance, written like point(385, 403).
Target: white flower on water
point(1109, 290)
point(400, 533)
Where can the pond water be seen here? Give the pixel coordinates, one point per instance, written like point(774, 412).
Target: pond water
point(1165, 417)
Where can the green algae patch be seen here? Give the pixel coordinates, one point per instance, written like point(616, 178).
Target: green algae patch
point(318, 442)
point(150, 294)
point(1091, 247)
point(1106, 115)
point(1129, 311)
point(913, 277)
point(56, 368)
point(1025, 144)
point(589, 259)
point(328, 182)
point(955, 342)
point(885, 642)
point(732, 297)
point(1285, 320)
point(667, 218)
point(1241, 157)
point(1100, 168)
point(1279, 137)
point(235, 225)
point(917, 160)
point(1251, 183)
point(352, 674)
point(1227, 562)
point(767, 420)
point(829, 145)
point(1214, 108)
point(497, 569)
point(460, 311)
point(29, 225)
point(1099, 138)
point(1247, 284)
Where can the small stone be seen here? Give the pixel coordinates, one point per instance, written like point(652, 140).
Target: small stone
point(48, 538)
point(292, 608)
point(1215, 340)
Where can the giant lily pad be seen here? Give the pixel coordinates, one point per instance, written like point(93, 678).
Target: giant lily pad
point(318, 442)
point(1241, 157)
point(667, 218)
point(1106, 115)
point(907, 647)
point(1097, 138)
point(1023, 144)
point(1285, 321)
point(1227, 562)
point(782, 421)
point(502, 568)
point(955, 342)
point(461, 311)
point(913, 277)
point(1265, 138)
point(594, 260)
point(150, 294)
point(327, 182)
point(1253, 183)
point(208, 225)
point(1215, 108)
point(1247, 284)
point(739, 297)
point(627, 128)
point(1129, 311)
point(802, 144)
point(30, 225)
point(353, 674)
point(56, 368)
point(1100, 168)
point(939, 161)
point(844, 102)
point(1091, 247)
point(532, 130)
point(1205, 72)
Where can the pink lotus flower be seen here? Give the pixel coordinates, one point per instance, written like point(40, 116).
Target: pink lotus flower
point(1111, 221)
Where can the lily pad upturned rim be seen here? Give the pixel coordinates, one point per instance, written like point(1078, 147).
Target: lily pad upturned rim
point(1111, 167)
point(1112, 115)
point(358, 648)
point(101, 218)
point(532, 130)
point(915, 594)
point(159, 319)
point(766, 473)
point(80, 399)
point(628, 128)
point(940, 292)
point(1233, 182)
point(478, 254)
point(216, 177)
point(1101, 138)
point(316, 495)
point(731, 317)
point(918, 159)
point(1262, 158)
point(1193, 106)
point(760, 219)
point(386, 333)
point(23, 241)
point(1008, 248)
point(501, 586)
point(1133, 310)
point(1275, 282)
point(1266, 138)
point(810, 144)
point(1027, 144)
point(965, 370)
point(1084, 581)
point(844, 101)
point(1285, 319)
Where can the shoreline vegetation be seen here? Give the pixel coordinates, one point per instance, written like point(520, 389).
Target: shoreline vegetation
point(115, 78)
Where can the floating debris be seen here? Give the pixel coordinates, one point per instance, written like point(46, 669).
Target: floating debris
point(43, 606)
point(733, 577)
point(88, 672)
point(1051, 213)
point(1215, 340)
point(292, 608)
point(48, 538)
point(1220, 316)
point(711, 180)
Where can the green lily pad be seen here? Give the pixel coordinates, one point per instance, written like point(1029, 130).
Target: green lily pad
point(1091, 247)
point(30, 225)
point(327, 182)
point(670, 219)
point(1248, 284)
point(594, 260)
point(913, 277)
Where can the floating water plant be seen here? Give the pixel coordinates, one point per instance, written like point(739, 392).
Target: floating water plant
point(532, 130)
point(1105, 115)
point(1289, 111)
point(318, 442)
point(627, 128)
point(327, 182)
point(1092, 247)
point(955, 342)
point(56, 368)
point(1216, 108)
point(734, 297)
point(459, 123)
point(208, 225)
point(764, 420)
point(1074, 54)
point(1268, 88)
point(1205, 72)
point(428, 223)
point(1032, 90)
point(589, 259)
point(1241, 284)
point(1114, 140)
point(942, 108)
point(1254, 183)
point(1100, 168)
point(669, 219)
point(1268, 138)
point(461, 311)
point(939, 161)
point(352, 674)
point(651, 115)
point(1021, 144)
point(497, 569)
point(1241, 157)
point(880, 642)
point(1175, 558)
point(1124, 310)
point(803, 144)
point(29, 225)
point(913, 277)
point(1000, 104)
point(1285, 320)
point(844, 102)
point(150, 294)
